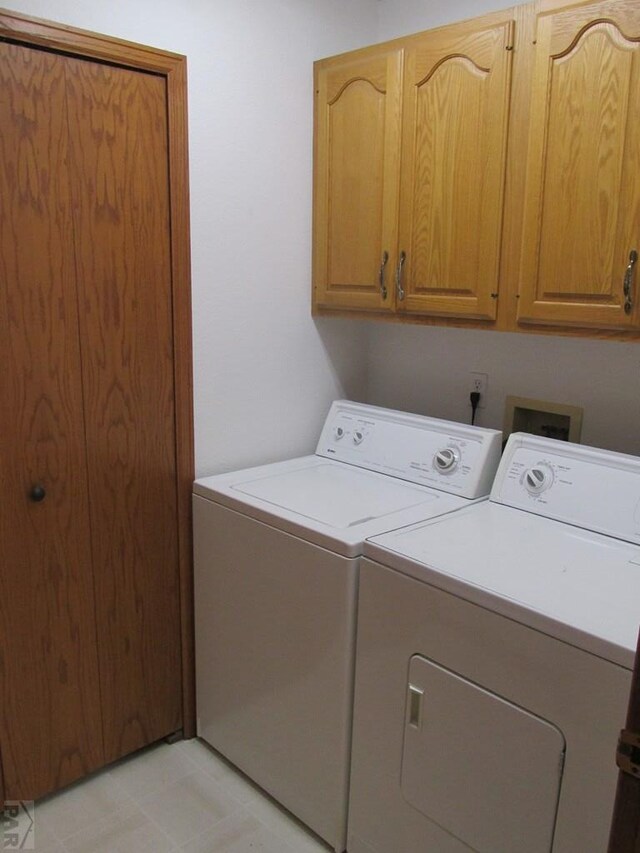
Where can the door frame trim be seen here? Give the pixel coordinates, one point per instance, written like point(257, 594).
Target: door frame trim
point(36, 32)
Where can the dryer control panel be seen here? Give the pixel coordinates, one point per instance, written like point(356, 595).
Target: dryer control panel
point(594, 489)
point(452, 457)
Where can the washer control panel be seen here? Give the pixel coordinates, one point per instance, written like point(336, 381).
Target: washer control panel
point(451, 457)
point(595, 489)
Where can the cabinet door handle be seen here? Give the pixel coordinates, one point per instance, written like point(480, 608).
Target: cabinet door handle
point(628, 278)
point(399, 287)
point(383, 286)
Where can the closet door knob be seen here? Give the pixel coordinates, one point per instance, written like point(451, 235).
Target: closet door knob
point(37, 494)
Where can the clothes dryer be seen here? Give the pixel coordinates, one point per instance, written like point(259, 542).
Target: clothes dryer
point(494, 655)
point(277, 551)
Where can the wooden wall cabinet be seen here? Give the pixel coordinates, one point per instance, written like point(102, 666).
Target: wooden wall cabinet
point(410, 154)
point(582, 191)
point(519, 193)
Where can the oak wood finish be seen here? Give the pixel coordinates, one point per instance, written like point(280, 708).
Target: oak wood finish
point(448, 92)
point(357, 158)
point(625, 827)
point(582, 196)
point(524, 32)
point(122, 246)
point(173, 67)
point(171, 72)
point(523, 305)
point(50, 721)
point(455, 113)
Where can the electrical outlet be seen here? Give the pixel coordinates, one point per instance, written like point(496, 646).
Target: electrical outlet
point(478, 382)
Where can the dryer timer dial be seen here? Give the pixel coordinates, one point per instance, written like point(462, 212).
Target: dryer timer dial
point(446, 460)
point(538, 479)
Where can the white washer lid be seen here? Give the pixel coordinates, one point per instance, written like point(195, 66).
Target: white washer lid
point(331, 504)
point(337, 495)
point(580, 587)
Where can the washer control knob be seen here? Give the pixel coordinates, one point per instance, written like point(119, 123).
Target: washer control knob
point(338, 433)
point(358, 436)
point(447, 459)
point(538, 479)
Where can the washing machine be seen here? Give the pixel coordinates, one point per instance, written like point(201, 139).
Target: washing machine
point(495, 648)
point(277, 551)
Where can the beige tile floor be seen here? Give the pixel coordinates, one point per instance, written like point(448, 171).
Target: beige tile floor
point(180, 797)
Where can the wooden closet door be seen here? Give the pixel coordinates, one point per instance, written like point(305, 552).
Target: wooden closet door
point(50, 726)
point(122, 241)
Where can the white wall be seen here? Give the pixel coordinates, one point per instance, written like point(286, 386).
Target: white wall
point(402, 17)
point(426, 369)
point(265, 372)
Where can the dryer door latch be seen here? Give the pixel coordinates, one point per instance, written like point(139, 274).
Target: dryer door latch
point(628, 753)
point(415, 706)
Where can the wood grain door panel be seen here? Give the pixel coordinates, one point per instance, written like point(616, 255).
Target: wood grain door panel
point(122, 229)
point(625, 824)
point(356, 179)
point(582, 216)
point(455, 114)
point(50, 724)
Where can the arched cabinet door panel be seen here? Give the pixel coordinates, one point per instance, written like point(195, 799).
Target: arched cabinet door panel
point(455, 117)
point(582, 200)
point(357, 157)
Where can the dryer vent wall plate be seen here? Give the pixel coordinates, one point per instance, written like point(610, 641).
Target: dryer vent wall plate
point(539, 417)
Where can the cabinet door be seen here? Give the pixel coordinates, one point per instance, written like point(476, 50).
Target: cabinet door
point(122, 232)
point(50, 720)
point(582, 217)
point(357, 151)
point(455, 115)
